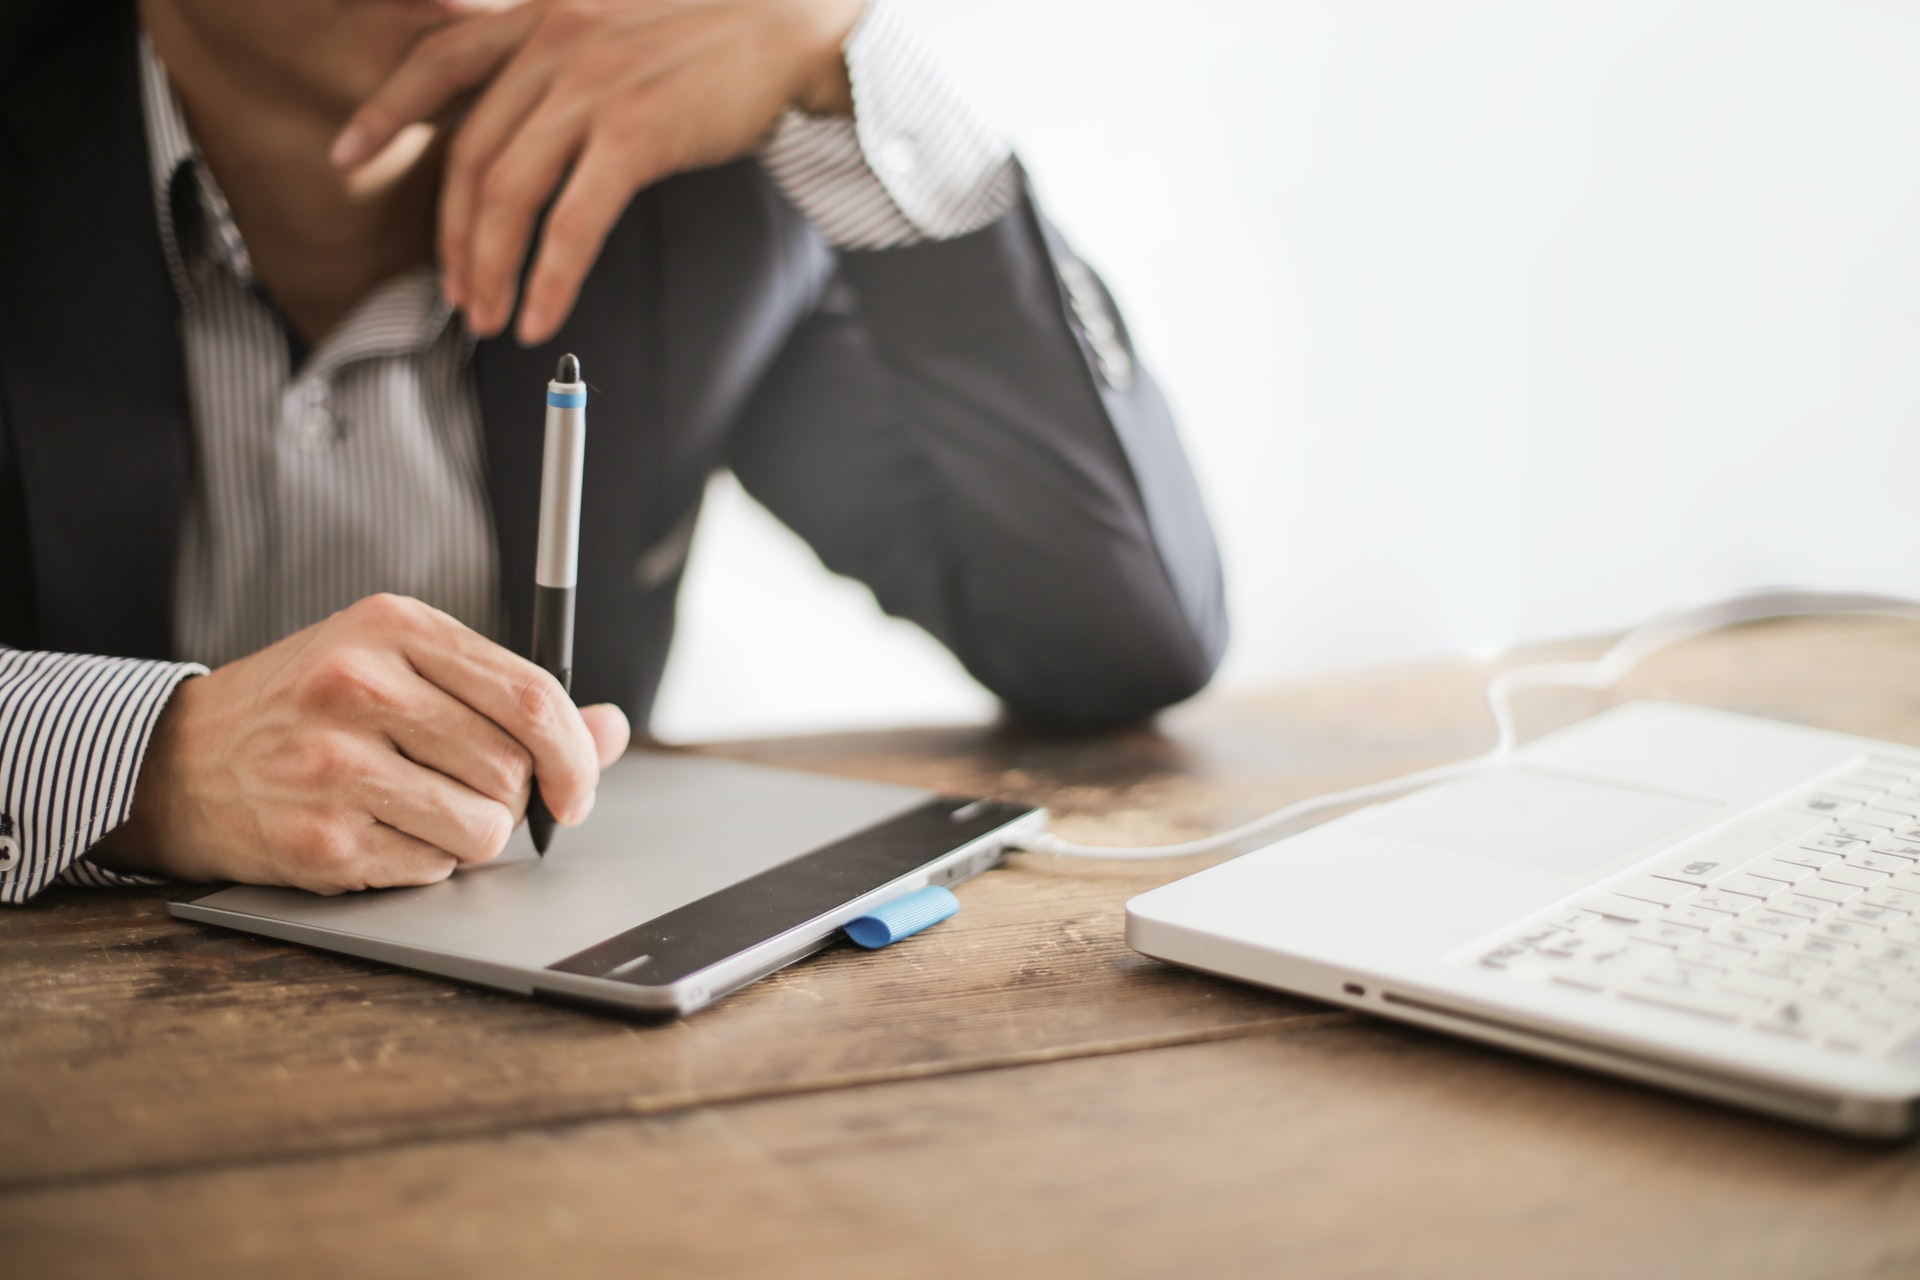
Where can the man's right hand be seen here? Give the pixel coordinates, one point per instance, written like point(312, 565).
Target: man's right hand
point(383, 746)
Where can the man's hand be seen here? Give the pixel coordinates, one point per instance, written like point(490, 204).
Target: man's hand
point(593, 99)
point(384, 746)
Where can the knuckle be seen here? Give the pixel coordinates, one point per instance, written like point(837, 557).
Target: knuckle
point(501, 188)
point(464, 154)
point(321, 853)
point(569, 18)
point(566, 225)
point(328, 755)
point(438, 51)
point(509, 771)
point(381, 612)
point(495, 827)
point(538, 699)
point(344, 681)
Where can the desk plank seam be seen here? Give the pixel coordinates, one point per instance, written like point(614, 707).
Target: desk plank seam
point(666, 1106)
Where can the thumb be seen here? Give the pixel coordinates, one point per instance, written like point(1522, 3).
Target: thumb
point(608, 725)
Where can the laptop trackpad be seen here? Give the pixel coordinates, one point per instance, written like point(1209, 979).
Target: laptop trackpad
point(1539, 820)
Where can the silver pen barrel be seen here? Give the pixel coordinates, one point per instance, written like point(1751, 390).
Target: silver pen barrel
point(556, 570)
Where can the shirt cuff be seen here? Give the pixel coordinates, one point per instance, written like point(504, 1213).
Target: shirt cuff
point(73, 733)
point(913, 164)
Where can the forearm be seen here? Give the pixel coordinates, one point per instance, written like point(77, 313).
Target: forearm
point(74, 731)
point(950, 429)
point(1086, 584)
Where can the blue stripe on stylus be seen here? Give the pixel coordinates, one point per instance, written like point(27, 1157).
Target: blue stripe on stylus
point(567, 399)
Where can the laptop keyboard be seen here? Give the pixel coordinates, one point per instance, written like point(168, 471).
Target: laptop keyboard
point(1801, 920)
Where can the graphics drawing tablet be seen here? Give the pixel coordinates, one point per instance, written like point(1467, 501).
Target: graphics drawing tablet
point(692, 878)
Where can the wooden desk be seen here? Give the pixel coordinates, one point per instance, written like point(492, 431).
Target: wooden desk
point(1012, 1094)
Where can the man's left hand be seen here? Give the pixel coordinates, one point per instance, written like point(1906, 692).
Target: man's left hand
point(592, 100)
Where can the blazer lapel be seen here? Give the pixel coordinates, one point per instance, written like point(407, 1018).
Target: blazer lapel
point(95, 384)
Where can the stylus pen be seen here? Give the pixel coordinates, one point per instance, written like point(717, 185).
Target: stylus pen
point(556, 567)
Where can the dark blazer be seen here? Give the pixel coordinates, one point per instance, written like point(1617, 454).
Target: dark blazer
point(931, 419)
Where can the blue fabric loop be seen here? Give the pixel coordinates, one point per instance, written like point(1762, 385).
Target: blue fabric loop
point(903, 917)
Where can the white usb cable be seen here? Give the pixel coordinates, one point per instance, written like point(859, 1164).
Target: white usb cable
point(1630, 651)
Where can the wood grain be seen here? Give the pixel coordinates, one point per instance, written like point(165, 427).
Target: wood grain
point(129, 1041)
point(1339, 1147)
point(1012, 1091)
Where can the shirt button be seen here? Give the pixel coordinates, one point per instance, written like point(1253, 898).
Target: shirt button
point(317, 429)
point(898, 157)
point(9, 854)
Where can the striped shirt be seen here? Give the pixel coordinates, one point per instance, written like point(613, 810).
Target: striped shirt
point(330, 474)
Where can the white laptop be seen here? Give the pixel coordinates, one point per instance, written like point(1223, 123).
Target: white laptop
point(1710, 902)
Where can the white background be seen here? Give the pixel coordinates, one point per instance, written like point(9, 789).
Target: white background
point(1484, 322)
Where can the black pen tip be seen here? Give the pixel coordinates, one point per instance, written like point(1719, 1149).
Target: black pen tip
point(569, 370)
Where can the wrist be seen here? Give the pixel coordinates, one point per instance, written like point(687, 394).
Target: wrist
point(823, 86)
point(138, 845)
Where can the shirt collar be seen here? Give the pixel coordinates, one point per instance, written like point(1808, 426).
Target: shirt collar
point(197, 233)
point(196, 226)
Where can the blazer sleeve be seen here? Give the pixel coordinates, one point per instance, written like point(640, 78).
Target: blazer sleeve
point(962, 425)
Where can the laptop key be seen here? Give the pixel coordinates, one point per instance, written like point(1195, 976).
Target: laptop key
point(1850, 874)
point(1833, 892)
point(1890, 1013)
point(1613, 906)
point(1568, 943)
point(1783, 870)
point(1746, 939)
point(1653, 889)
point(1796, 904)
point(1714, 956)
point(1864, 912)
point(1692, 869)
point(1904, 954)
point(1718, 899)
point(1899, 804)
point(1604, 967)
point(1809, 858)
point(1849, 931)
point(1694, 917)
point(1768, 920)
point(1802, 1018)
point(1662, 934)
point(1874, 972)
point(1826, 804)
point(1839, 991)
point(1751, 885)
point(1703, 1002)
point(1790, 965)
point(1893, 899)
point(1821, 948)
point(1679, 974)
point(1758, 986)
point(1884, 864)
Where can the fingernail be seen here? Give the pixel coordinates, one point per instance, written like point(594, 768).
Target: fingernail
point(579, 814)
point(533, 327)
point(347, 147)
